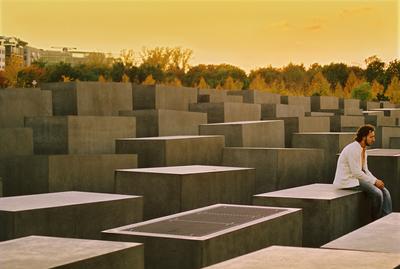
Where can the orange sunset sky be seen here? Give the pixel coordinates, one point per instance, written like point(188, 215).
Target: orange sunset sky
point(248, 34)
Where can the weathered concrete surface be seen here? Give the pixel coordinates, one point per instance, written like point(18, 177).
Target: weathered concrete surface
point(228, 112)
point(319, 103)
point(310, 258)
point(162, 97)
point(382, 235)
point(16, 141)
point(273, 111)
point(89, 98)
point(394, 143)
point(268, 133)
point(332, 143)
point(53, 252)
point(217, 96)
point(385, 165)
point(304, 124)
point(319, 114)
point(383, 134)
point(52, 173)
point(257, 97)
point(367, 105)
point(79, 134)
point(278, 168)
point(174, 150)
point(386, 104)
point(304, 101)
point(390, 112)
point(328, 212)
point(164, 122)
point(380, 120)
point(350, 107)
point(17, 104)
point(225, 231)
point(346, 123)
point(67, 214)
point(169, 190)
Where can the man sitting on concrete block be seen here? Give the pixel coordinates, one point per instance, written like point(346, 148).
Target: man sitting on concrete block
point(352, 172)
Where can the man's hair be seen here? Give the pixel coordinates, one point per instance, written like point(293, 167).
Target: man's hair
point(364, 131)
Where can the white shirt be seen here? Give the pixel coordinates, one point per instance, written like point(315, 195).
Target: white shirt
point(349, 170)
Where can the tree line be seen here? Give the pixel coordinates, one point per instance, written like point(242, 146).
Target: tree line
point(171, 66)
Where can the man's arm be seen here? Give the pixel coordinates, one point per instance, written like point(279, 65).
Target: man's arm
point(354, 160)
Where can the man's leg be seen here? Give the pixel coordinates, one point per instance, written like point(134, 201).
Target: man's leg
point(387, 202)
point(376, 196)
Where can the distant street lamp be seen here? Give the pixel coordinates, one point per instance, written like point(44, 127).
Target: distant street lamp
point(34, 82)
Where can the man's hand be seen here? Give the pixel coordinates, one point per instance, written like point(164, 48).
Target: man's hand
point(379, 184)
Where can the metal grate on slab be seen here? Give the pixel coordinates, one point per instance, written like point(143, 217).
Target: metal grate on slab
point(206, 222)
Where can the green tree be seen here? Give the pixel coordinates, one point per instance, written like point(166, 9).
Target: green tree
point(375, 70)
point(362, 92)
point(117, 71)
point(319, 86)
point(336, 73)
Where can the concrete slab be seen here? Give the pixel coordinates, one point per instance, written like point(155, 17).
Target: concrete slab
point(380, 120)
point(304, 101)
point(164, 122)
point(394, 142)
point(52, 252)
point(52, 173)
point(257, 97)
point(217, 96)
point(79, 134)
point(319, 114)
point(320, 103)
point(387, 104)
point(346, 123)
point(228, 112)
point(331, 142)
point(383, 135)
point(269, 133)
point(390, 112)
point(328, 212)
point(368, 105)
point(385, 165)
point(350, 107)
point(209, 235)
point(15, 105)
point(16, 141)
point(304, 124)
point(273, 111)
point(89, 98)
point(162, 97)
point(278, 168)
point(186, 187)
point(67, 214)
point(382, 235)
point(174, 150)
point(310, 258)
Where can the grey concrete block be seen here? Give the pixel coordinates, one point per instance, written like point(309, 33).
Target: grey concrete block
point(257, 97)
point(89, 98)
point(346, 123)
point(304, 101)
point(310, 258)
point(169, 190)
point(278, 168)
point(228, 112)
point(350, 107)
point(386, 104)
point(381, 235)
point(332, 143)
point(367, 105)
point(383, 134)
point(52, 173)
point(163, 122)
point(54, 252)
point(163, 97)
point(319, 103)
point(394, 142)
point(217, 96)
point(304, 124)
point(210, 235)
point(328, 212)
point(268, 133)
point(174, 150)
point(385, 165)
point(79, 134)
point(273, 111)
point(319, 114)
point(16, 141)
point(380, 120)
point(67, 214)
point(15, 105)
